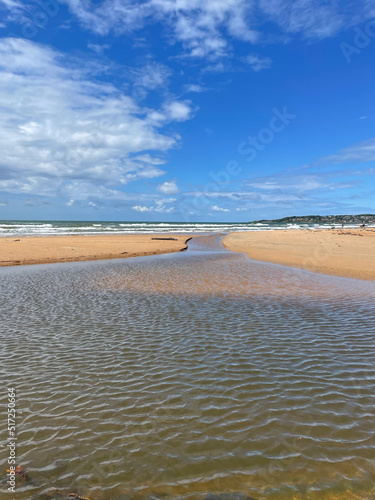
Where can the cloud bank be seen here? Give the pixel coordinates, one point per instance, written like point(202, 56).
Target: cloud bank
point(64, 132)
point(205, 28)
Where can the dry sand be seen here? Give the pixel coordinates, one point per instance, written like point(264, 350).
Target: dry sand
point(49, 249)
point(348, 252)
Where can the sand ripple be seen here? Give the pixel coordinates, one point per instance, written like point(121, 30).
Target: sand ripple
point(177, 376)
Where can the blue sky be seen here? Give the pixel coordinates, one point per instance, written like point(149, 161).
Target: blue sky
point(186, 110)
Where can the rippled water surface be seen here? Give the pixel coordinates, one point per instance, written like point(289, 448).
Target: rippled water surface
point(52, 227)
point(183, 375)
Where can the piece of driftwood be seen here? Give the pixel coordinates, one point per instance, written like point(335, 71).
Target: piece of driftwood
point(170, 239)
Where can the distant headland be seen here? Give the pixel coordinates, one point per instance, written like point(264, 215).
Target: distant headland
point(322, 219)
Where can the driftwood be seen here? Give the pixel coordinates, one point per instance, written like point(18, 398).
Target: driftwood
point(170, 239)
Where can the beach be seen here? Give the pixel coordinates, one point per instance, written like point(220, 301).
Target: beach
point(192, 375)
point(52, 249)
point(348, 252)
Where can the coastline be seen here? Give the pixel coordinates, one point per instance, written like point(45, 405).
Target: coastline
point(16, 251)
point(347, 253)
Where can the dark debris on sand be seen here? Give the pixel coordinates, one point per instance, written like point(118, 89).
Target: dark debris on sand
point(55, 495)
point(167, 239)
point(228, 496)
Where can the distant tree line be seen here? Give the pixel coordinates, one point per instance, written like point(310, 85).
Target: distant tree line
point(322, 219)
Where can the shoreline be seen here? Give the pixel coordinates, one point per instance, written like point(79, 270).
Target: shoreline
point(29, 250)
point(348, 253)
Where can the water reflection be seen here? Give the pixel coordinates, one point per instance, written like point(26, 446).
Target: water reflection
point(191, 374)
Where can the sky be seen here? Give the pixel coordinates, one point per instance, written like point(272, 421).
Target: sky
point(186, 110)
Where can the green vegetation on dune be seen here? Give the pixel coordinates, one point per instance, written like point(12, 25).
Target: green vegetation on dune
point(323, 219)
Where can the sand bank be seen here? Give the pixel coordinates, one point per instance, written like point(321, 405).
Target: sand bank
point(51, 249)
point(348, 252)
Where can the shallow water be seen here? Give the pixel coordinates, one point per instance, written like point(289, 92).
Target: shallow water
point(180, 375)
point(52, 227)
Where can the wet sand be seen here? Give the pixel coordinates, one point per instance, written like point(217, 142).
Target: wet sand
point(52, 249)
point(349, 252)
point(190, 394)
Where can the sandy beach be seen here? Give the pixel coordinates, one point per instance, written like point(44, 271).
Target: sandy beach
point(348, 252)
point(52, 249)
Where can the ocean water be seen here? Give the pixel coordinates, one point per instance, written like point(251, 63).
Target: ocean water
point(50, 228)
point(189, 375)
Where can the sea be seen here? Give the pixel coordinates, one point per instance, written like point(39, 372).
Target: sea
point(199, 375)
point(51, 228)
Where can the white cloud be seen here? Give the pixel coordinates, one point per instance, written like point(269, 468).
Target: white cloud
point(203, 26)
point(359, 153)
point(152, 160)
point(315, 18)
point(215, 208)
point(141, 208)
point(11, 4)
point(178, 110)
point(206, 28)
point(299, 182)
point(152, 76)
point(168, 188)
point(163, 209)
point(64, 133)
point(159, 207)
point(227, 195)
point(258, 63)
point(194, 87)
point(200, 26)
point(36, 202)
point(121, 16)
point(98, 48)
